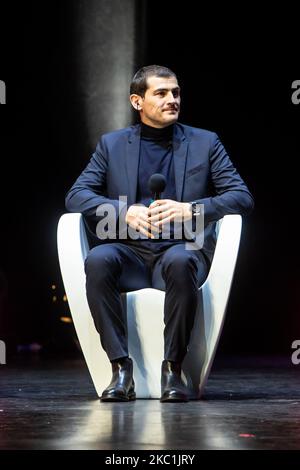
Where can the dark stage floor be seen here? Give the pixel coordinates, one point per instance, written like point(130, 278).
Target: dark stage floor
point(250, 403)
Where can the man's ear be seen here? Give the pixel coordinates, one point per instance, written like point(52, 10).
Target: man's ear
point(135, 101)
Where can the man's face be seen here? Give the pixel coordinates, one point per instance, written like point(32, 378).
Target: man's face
point(161, 104)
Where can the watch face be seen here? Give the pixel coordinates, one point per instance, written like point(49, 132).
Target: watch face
point(196, 208)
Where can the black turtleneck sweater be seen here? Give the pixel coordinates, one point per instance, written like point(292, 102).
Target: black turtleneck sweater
point(156, 156)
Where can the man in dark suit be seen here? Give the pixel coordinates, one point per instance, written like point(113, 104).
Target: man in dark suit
point(201, 183)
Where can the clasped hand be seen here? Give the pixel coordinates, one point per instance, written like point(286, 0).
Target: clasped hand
point(149, 220)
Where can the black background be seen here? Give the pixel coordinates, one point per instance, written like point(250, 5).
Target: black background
point(236, 71)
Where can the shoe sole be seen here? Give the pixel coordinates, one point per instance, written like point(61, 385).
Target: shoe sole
point(174, 400)
point(130, 397)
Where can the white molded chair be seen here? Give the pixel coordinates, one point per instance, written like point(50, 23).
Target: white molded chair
point(145, 312)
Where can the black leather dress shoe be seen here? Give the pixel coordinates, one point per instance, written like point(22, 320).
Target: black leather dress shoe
point(121, 387)
point(172, 387)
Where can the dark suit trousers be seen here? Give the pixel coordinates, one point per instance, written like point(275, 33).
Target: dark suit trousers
point(113, 268)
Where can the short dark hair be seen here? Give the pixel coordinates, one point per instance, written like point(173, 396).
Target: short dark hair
point(139, 83)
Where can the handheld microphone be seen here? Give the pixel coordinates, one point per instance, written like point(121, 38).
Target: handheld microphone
point(157, 184)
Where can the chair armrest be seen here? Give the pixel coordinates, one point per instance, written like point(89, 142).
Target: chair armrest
point(72, 250)
point(223, 264)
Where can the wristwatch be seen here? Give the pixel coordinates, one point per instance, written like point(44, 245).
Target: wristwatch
point(196, 209)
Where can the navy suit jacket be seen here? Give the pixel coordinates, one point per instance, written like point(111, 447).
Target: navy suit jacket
point(203, 173)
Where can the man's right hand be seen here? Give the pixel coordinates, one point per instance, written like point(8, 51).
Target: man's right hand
point(137, 218)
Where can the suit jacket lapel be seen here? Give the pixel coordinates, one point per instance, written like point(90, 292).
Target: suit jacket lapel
point(180, 148)
point(132, 155)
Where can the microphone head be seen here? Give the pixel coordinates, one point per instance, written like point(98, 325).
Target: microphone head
point(157, 183)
